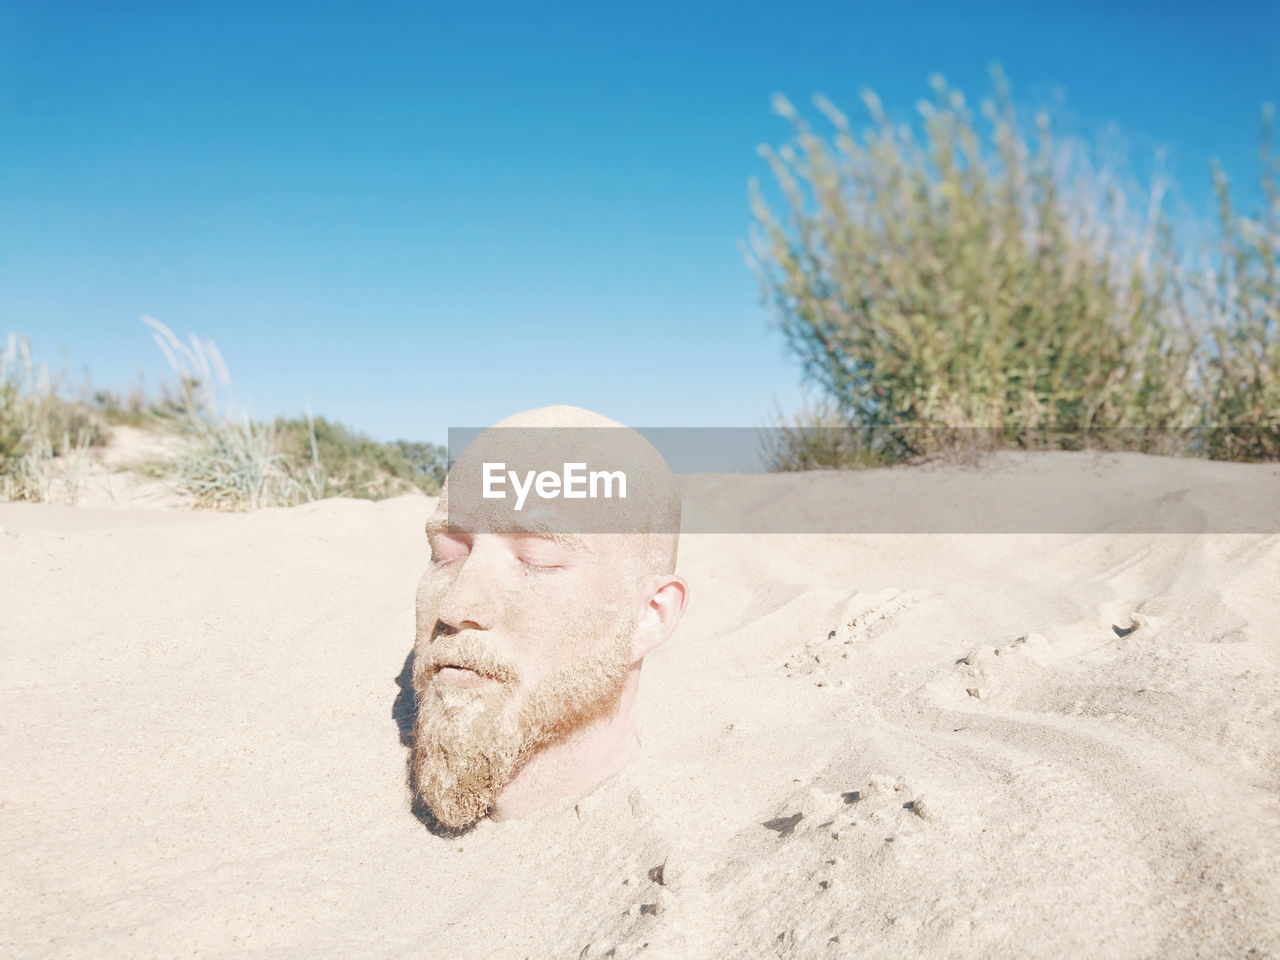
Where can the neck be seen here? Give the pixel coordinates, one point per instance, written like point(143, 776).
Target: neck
point(573, 767)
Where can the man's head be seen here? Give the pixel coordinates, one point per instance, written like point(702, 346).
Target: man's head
point(530, 632)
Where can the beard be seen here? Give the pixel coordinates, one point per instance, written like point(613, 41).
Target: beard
point(469, 743)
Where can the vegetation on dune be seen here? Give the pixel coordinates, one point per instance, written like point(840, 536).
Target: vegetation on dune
point(355, 465)
point(1243, 302)
point(234, 462)
point(222, 459)
point(44, 438)
point(978, 286)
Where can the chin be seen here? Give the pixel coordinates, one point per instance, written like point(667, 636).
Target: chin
point(466, 749)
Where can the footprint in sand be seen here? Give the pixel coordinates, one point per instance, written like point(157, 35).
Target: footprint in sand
point(982, 667)
point(862, 617)
point(884, 803)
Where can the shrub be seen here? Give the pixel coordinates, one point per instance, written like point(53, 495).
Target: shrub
point(356, 465)
point(1243, 300)
point(979, 286)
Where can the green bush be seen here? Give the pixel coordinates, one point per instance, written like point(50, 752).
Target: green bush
point(1243, 296)
point(355, 465)
point(975, 286)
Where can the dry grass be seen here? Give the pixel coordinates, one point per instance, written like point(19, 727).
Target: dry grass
point(44, 439)
point(226, 460)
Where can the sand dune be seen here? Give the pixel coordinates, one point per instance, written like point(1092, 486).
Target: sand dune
point(882, 745)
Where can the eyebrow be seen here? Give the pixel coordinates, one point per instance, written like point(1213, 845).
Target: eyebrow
point(569, 541)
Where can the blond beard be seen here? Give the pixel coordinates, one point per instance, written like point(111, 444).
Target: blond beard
point(467, 747)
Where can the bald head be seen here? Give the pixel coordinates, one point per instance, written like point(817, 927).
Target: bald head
point(560, 415)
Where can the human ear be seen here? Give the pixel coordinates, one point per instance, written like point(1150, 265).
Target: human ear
point(667, 598)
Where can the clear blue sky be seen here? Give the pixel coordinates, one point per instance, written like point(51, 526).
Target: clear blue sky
point(418, 215)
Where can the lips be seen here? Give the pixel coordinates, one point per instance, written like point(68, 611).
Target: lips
point(468, 658)
point(456, 675)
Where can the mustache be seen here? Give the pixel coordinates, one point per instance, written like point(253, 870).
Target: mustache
point(469, 653)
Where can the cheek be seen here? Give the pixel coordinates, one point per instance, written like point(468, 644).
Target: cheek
point(555, 625)
point(427, 600)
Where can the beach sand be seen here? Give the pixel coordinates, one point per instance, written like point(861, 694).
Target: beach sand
point(872, 745)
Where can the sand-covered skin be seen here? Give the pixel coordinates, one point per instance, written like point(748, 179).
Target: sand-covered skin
point(855, 745)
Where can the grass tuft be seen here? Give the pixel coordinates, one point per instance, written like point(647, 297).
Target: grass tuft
point(44, 439)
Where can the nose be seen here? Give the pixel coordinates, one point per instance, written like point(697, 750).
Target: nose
point(469, 601)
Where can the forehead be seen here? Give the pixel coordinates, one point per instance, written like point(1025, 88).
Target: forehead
point(603, 548)
point(588, 480)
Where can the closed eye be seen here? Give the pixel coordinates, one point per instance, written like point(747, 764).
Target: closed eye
point(448, 547)
point(541, 553)
point(541, 566)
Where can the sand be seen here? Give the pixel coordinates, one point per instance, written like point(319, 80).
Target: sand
point(871, 745)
